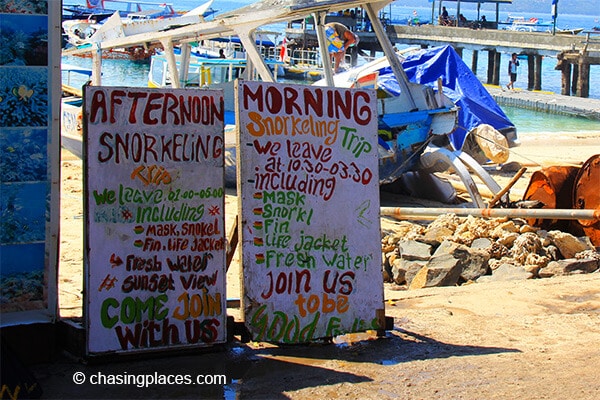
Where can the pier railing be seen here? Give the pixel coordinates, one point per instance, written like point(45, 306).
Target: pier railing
point(539, 43)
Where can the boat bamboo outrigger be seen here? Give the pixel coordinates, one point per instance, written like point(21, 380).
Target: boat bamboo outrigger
point(411, 122)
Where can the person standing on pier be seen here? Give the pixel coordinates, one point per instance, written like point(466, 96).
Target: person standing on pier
point(513, 63)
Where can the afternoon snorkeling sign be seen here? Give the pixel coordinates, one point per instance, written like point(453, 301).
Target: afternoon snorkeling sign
point(308, 176)
point(155, 240)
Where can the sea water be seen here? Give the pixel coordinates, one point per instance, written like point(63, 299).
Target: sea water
point(128, 73)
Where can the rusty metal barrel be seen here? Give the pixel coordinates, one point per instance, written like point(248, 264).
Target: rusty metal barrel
point(586, 195)
point(553, 186)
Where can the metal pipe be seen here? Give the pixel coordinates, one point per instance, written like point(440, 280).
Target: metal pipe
point(402, 212)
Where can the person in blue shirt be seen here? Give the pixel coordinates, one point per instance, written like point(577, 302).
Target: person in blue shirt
point(513, 63)
point(445, 18)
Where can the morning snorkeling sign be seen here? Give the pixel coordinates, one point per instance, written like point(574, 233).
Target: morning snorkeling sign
point(308, 178)
point(155, 240)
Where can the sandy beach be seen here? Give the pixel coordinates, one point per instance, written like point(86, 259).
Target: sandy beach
point(526, 339)
point(536, 151)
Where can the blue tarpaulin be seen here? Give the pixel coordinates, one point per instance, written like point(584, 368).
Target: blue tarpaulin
point(460, 84)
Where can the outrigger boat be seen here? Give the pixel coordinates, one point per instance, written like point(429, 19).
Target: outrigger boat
point(96, 10)
point(214, 61)
point(80, 33)
point(412, 121)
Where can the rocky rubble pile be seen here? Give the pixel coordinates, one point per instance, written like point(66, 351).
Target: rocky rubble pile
point(453, 250)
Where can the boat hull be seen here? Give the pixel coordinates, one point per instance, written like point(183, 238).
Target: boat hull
point(71, 130)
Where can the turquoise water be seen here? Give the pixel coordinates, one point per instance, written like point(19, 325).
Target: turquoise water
point(528, 121)
point(114, 72)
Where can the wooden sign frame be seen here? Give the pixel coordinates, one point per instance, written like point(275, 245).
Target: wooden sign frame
point(154, 219)
point(310, 231)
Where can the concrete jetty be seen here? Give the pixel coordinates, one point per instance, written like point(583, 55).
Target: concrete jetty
point(575, 52)
point(546, 102)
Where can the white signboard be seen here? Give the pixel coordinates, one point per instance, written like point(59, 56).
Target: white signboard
point(155, 236)
point(308, 178)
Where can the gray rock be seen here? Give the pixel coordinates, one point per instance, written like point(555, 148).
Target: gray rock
point(403, 271)
point(506, 272)
point(476, 266)
point(448, 247)
point(473, 262)
point(569, 266)
point(442, 270)
point(413, 250)
point(569, 245)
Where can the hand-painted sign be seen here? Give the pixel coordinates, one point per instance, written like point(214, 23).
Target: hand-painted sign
point(155, 235)
point(310, 209)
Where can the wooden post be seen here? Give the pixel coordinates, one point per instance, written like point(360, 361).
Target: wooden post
point(497, 61)
point(583, 83)
point(510, 184)
point(474, 61)
point(565, 67)
point(233, 242)
point(490, 67)
point(530, 72)
point(538, 73)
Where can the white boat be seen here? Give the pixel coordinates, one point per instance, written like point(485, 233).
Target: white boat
point(203, 70)
point(303, 64)
point(569, 31)
point(71, 130)
point(213, 62)
point(98, 10)
point(521, 24)
point(84, 32)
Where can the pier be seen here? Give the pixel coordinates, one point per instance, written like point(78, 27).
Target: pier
point(575, 53)
point(547, 102)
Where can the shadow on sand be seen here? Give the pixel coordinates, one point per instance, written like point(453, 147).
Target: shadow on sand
point(254, 370)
